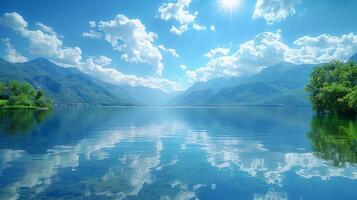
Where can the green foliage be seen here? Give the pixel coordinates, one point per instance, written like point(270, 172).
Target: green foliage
point(3, 102)
point(333, 88)
point(334, 139)
point(24, 95)
point(41, 101)
point(2, 88)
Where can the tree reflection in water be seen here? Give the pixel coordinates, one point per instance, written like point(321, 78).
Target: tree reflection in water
point(334, 139)
point(21, 121)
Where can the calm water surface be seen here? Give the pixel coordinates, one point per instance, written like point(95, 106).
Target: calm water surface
point(177, 153)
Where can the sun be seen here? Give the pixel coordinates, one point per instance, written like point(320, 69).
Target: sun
point(229, 5)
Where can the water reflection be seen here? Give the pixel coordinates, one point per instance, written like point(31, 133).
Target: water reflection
point(21, 121)
point(334, 139)
point(170, 153)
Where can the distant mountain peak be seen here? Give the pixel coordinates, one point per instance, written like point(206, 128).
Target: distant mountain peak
point(41, 60)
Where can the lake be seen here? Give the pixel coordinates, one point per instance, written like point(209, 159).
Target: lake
point(177, 153)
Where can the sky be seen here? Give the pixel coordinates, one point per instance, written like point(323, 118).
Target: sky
point(172, 44)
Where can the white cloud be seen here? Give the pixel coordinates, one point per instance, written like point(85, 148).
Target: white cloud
point(102, 60)
point(271, 195)
point(217, 52)
point(11, 54)
point(274, 10)
point(223, 66)
point(265, 49)
point(269, 48)
point(179, 30)
point(179, 12)
point(130, 37)
point(96, 66)
point(183, 67)
point(92, 34)
point(323, 48)
point(43, 41)
point(13, 20)
point(46, 29)
point(172, 52)
point(198, 27)
point(92, 24)
point(213, 28)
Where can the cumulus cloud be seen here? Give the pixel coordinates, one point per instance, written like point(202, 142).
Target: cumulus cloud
point(45, 42)
point(13, 20)
point(92, 34)
point(251, 56)
point(183, 67)
point(271, 194)
point(130, 37)
point(198, 27)
point(217, 52)
point(179, 12)
point(172, 52)
point(269, 48)
point(101, 60)
point(223, 66)
point(323, 48)
point(274, 10)
point(46, 29)
point(98, 67)
point(11, 54)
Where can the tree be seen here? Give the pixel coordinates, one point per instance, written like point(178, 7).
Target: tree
point(23, 94)
point(2, 88)
point(41, 101)
point(333, 88)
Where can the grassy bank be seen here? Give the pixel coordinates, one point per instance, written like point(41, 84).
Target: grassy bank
point(23, 107)
point(4, 105)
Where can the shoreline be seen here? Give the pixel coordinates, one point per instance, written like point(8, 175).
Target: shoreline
point(22, 108)
point(184, 106)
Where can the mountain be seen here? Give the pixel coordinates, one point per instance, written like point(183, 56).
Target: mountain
point(148, 96)
point(69, 85)
point(277, 85)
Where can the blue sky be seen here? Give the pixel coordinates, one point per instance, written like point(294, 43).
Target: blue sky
point(171, 44)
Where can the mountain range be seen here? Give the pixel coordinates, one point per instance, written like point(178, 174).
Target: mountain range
point(277, 85)
point(71, 86)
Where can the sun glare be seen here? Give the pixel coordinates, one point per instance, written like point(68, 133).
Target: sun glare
point(229, 5)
